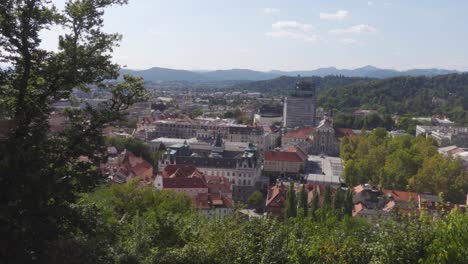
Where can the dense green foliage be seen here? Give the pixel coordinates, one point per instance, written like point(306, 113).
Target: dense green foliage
point(290, 209)
point(285, 85)
point(142, 220)
point(256, 199)
point(137, 147)
point(444, 94)
point(402, 163)
point(368, 122)
point(41, 174)
point(160, 227)
point(51, 212)
point(409, 124)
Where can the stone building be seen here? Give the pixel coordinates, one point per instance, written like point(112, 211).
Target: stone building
point(323, 139)
point(240, 165)
point(284, 162)
point(445, 136)
point(206, 129)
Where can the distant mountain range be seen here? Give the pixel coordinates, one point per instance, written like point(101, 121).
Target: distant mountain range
point(157, 74)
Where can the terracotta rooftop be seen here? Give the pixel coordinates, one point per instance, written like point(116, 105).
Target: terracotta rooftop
point(283, 156)
point(358, 208)
point(301, 133)
point(218, 184)
point(277, 195)
point(178, 170)
point(401, 196)
point(208, 200)
point(183, 183)
point(344, 132)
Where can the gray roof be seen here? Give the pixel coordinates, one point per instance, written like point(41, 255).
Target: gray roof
point(328, 170)
point(205, 162)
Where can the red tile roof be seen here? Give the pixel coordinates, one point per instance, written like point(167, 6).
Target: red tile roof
point(358, 208)
point(218, 184)
point(183, 183)
point(301, 133)
point(277, 196)
point(283, 156)
point(178, 170)
point(207, 200)
point(138, 165)
point(401, 196)
point(201, 201)
point(344, 132)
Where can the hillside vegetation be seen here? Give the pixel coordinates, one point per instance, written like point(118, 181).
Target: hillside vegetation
point(285, 84)
point(444, 94)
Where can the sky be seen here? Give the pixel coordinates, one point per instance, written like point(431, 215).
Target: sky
point(287, 34)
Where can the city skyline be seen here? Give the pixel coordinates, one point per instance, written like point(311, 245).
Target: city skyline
point(293, 35)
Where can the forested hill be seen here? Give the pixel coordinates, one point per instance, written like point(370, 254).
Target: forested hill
point(444, 94)
point(283, 85)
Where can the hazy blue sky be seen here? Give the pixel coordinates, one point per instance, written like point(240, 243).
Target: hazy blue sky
point(289, 35)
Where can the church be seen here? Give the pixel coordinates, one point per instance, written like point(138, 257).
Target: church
point(323, 139)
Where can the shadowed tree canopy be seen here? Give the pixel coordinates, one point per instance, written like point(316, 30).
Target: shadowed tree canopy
point(40, 172)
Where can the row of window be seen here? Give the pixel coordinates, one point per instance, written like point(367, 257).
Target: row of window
point(228, 174)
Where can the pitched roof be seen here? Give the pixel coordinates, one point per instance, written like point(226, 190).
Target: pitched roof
point(208, 200)
point(358, 208)
point(138, 165)
point(344, 132)
point(277, 196)
point(179, 170)
point(300, 133)
point(183, 183)
point(218, 184)
point(401, 196)
point(283, 156)
point(207, 162)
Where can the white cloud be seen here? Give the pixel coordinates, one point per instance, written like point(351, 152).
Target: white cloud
point(348, 41)
point(357, 29)
point(293, 30)
point(270, 10)
point(291, 26)
point(339, 15)
point(370, 3)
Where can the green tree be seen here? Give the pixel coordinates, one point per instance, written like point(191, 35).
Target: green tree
point(291, 203)
point(450, 236)
point(337, 202)
point(196, 113)
point(302, 202)
point(327, 197)
point(41, 173)
point(256, 199)
point(348, 204)
point(314, 205)
point(134, 145)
